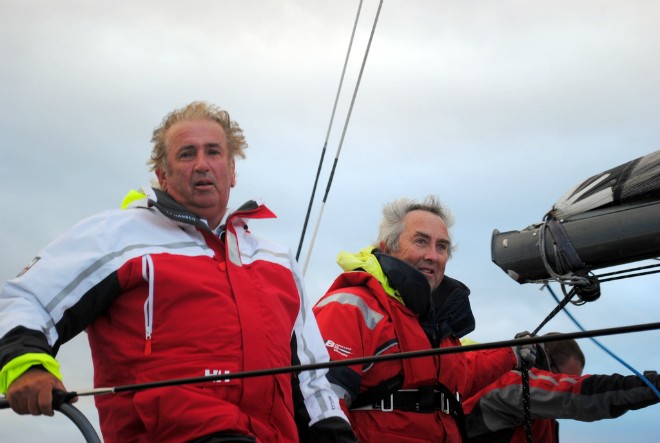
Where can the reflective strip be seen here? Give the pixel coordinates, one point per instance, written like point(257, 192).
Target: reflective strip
point(241, 256)
point(552, 380)
point(341, 393)
point(232, 247)
point(266, 253)
point(102, 261)
point(371, 317)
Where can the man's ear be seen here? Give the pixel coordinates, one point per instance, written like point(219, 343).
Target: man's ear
point(382, 248)
point(162, 179)
point(233, 173)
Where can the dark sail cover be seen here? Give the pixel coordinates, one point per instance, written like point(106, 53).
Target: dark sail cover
point(634, 181)
point(610, 219)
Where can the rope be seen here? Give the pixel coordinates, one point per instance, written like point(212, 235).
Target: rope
point(524, 369)
point(341, 142)
point(555, 311)
point(567, 278)
point(527, 400)
point(327, 135)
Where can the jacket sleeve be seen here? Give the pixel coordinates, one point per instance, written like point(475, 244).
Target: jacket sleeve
point(555, 396)
point(52, 300)
point(337, 324)
point(486, 366)
point(318, 414)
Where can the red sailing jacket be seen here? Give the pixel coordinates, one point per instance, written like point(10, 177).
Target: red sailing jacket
point(357, 318)
point(162, 296)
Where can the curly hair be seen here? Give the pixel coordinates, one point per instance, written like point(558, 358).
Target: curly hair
point(391, 225)
point(197, 110)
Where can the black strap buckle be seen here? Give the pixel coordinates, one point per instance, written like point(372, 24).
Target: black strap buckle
point(383, 403)
point(422, 400)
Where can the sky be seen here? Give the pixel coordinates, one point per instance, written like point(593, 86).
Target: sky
point(496, 107)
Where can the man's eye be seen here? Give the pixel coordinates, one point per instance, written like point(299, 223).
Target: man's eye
point(443, 247)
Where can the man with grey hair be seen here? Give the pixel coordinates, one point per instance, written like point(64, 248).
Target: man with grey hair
point(174, 286)
point(395, 297)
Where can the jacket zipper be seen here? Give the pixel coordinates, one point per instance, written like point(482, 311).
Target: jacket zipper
point(148, 276)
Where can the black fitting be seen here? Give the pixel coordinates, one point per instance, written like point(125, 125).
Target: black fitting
point(590, 291)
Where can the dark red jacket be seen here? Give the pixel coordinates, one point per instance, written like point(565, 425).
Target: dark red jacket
point(357, 318)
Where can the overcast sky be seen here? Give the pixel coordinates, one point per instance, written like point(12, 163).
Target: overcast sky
point(497, 107)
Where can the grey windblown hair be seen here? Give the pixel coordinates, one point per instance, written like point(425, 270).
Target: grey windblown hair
point(394, 213)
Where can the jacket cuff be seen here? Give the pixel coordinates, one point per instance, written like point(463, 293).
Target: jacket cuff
point(16, 367)
point(330, 430)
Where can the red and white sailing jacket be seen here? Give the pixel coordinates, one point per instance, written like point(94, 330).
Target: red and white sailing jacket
point(162, 296)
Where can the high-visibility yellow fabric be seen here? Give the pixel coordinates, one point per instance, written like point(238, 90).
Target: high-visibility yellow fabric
point(367, 261)
point(16, 367)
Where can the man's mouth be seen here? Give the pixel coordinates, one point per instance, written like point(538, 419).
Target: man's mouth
point(427, 271)
point(203, 184)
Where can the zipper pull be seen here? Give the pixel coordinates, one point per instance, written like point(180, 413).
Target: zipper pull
point(147, 346)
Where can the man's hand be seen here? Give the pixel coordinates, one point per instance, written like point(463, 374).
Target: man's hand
point(32, 392)
point(525, 353)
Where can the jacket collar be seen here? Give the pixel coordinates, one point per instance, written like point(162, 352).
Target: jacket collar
point(399, 280)
point(148, 197)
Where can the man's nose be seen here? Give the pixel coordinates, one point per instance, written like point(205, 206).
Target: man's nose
point(202, 163)
point(432, 254)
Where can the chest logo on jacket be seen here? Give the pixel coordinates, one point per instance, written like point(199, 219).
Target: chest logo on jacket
point(213, 372)
point(342, 350)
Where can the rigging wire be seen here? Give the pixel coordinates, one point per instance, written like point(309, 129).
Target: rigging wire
point(600, 345)
point(630, 270)
point(327, 135)
point(341, 141)
point(4, 403)
point(366, 360)
point(639, 268)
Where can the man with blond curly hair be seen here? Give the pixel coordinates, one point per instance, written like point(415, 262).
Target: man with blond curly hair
point(174, 285)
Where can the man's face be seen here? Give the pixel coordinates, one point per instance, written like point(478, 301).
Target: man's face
point(200, 171)
point(424, 244)
point(571, 366)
